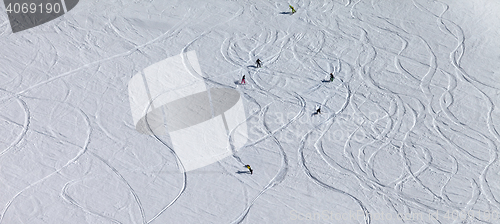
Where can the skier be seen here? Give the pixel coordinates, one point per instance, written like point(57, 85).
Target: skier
point(293, 10)
point(249, 168)
point(318, 111)
point(331, 77)
point(258, 62)
point(243, 80)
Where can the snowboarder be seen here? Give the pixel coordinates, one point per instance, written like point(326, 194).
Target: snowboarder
point(258, 62)
point(243, 80)
point(293, 10)
point(331, 77)
point(249, 168)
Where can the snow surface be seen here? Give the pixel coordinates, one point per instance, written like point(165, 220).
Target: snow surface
point(409, 129)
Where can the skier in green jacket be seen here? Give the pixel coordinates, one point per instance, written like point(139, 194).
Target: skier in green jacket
point(293, 10)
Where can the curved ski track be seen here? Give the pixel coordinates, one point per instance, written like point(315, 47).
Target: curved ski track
point(419, 122)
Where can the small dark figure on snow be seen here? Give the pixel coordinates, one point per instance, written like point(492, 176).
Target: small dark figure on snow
point(249, 168)
point(243, 80)
point(331, 77)
point(258, 62)
point(318, 111)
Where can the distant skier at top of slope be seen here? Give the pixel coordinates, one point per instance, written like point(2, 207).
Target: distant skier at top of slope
point(293, 10)
point(258, 62)
point(331, 77)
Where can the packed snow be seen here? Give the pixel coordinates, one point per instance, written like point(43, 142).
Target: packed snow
point(409, 131)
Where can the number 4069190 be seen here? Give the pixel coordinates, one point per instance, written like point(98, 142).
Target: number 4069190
point(33, 8)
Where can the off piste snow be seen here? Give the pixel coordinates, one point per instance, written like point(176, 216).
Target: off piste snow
point(249, 111)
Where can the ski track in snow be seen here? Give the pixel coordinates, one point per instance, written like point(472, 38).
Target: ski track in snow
point(80, 153)
point(25, 126)
point(415, 86)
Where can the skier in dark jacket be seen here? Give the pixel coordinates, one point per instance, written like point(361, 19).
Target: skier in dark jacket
point(331, 77)
point(258, 62)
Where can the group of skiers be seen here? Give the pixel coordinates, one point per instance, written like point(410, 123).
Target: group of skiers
point(258, 64)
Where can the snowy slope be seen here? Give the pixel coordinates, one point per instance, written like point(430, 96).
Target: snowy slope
point(409, 130)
